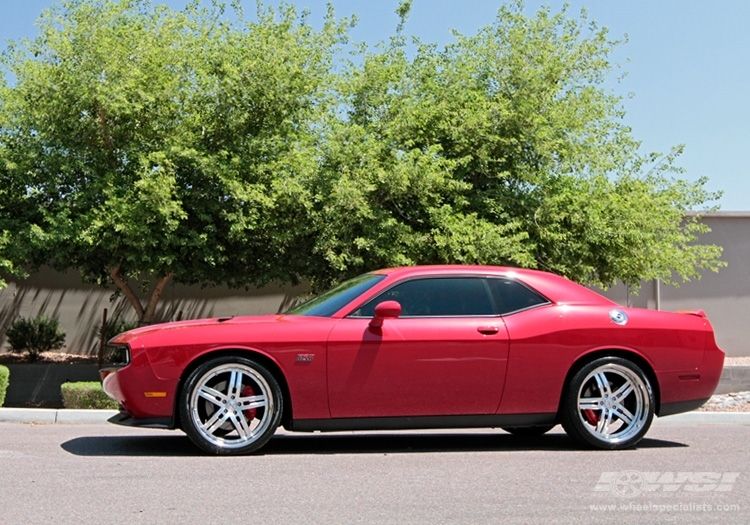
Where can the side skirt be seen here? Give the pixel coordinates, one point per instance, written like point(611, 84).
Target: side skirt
point(422, 422)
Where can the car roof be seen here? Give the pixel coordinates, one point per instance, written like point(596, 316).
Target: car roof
point(556, 288)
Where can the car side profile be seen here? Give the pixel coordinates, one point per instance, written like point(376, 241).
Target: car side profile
point(420, 347)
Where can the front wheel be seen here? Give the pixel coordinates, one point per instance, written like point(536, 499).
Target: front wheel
point(608, 404)
point(230, 405)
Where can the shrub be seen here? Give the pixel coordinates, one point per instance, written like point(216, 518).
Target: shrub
point(86, 394)
point(113, 328)
point(4, 375)
point(35, 336)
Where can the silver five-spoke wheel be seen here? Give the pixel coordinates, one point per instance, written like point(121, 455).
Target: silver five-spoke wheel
point(230, 405)
point(608, 404)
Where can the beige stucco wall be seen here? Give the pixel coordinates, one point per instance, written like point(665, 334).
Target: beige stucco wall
point(79, 307)
point(725, 296)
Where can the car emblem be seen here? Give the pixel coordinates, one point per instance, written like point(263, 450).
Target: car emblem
point(305, 358)
point(618, 317)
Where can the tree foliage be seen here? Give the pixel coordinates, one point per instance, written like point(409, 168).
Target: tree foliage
point(197, 147)
point(503, 147)
point(165, 144)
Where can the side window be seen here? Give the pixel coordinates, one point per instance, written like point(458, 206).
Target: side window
point(512, 296)
point(435, 297)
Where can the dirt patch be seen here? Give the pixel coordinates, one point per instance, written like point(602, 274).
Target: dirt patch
point(62, 357)
point(48, 358)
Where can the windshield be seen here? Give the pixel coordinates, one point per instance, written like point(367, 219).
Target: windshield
point(330, 302)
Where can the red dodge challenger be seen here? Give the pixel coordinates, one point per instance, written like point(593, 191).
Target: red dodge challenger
point(420, 347)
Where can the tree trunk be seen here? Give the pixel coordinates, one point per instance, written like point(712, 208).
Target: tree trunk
point(145, 315)
point(154, 299)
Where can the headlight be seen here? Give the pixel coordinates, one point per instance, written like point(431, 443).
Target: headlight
point(115, 356)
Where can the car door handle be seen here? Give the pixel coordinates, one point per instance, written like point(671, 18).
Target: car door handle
point(488, 330)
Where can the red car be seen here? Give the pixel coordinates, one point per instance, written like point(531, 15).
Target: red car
point(420, 347)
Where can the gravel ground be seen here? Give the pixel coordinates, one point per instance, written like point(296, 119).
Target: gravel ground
point(734, 402)
point(737, 361)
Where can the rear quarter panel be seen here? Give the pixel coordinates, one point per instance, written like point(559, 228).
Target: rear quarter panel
point(546, 342)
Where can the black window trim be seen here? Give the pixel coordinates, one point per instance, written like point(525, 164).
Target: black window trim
point(484, 278)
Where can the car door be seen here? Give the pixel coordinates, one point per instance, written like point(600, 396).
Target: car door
point(445, 355)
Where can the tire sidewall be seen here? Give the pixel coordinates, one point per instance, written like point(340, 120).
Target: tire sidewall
point(188, 425)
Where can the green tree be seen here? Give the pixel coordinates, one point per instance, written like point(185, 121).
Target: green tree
point(143, 145)
point(146, 145)
point(502, 148)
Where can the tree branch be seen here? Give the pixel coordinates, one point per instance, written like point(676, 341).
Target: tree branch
point(155, 296)
point(123, 285)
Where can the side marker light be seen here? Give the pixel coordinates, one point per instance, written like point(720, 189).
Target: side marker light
point(155, 394)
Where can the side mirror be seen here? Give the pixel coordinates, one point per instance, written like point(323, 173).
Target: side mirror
point(385, 310)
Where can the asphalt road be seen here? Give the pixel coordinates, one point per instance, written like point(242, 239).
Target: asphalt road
point(65, 473)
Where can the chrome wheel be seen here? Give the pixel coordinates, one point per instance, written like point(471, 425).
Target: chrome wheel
point(609, 404)
point(231, 405)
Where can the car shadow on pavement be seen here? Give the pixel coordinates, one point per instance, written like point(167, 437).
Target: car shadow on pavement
point(168, 445)
point(418, 443)
point(360, 443)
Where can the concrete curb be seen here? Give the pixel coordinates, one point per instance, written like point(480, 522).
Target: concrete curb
point(734, 379)
point(705, 418)
point(51, 415)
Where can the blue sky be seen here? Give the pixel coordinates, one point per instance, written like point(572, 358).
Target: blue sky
point(687, 65)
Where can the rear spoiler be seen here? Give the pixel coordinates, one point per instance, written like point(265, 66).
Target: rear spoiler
point(697, 313)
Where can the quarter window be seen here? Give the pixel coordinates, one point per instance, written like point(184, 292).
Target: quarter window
point(512, 296)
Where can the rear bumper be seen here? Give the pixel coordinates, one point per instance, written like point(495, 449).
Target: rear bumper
point(688, 389)
point(667, 409)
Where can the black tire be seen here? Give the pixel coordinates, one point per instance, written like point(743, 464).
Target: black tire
point(608, 404)
point(528, 431)
point(230, 405)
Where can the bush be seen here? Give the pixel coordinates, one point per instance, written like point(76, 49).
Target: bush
point(113, 328)
point(35, 336)
point(4, 375)
point(86, 394)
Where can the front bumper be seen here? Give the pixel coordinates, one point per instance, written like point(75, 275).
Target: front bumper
point(127, 420)
point(141, 394)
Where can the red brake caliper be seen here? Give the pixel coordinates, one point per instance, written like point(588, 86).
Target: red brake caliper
point(249, 413)
point(591, 416)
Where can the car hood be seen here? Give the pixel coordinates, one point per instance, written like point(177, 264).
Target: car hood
point(200, 324)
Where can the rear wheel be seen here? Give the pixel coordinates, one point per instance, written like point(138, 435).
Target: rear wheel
point(230, 405)
point(608, 404)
